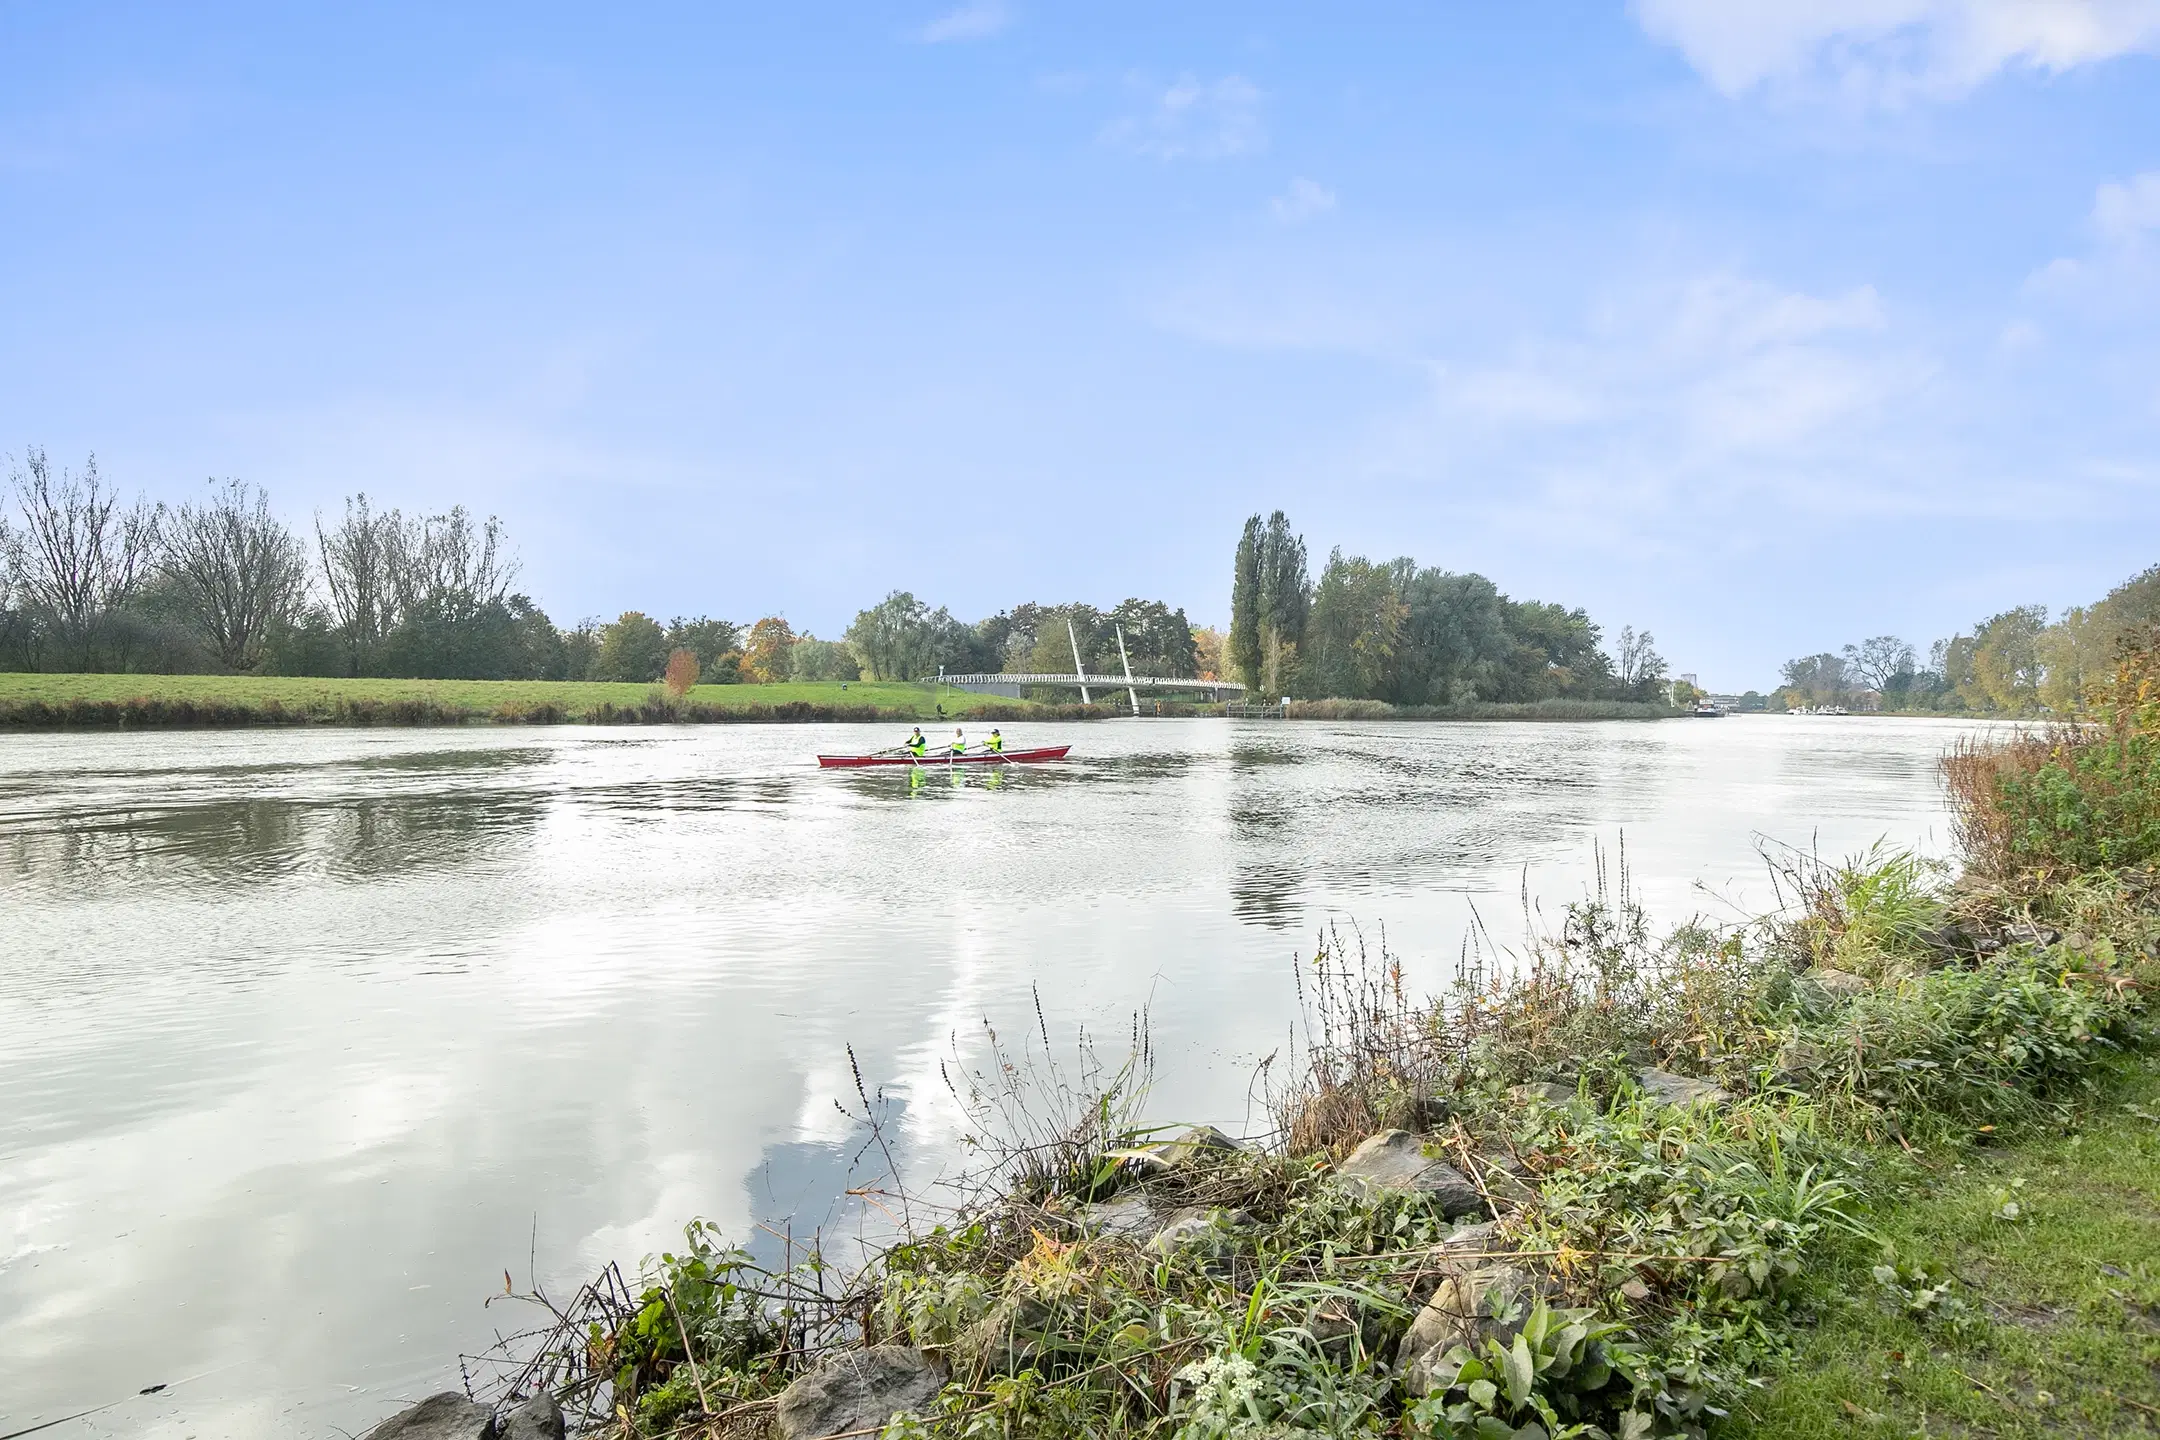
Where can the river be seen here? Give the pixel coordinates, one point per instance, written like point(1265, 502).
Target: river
point(307, 1037)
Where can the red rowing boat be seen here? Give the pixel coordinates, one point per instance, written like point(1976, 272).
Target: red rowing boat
point(1006, 757)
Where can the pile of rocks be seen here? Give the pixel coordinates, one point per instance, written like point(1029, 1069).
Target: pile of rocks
point(1483, 1292)
point(451, 1416)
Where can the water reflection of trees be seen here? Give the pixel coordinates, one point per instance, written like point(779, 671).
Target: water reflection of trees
point(1268, 894)
point(253, 842)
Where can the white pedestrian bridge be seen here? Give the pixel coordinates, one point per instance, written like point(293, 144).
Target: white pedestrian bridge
point(1006, 683)
point(1009, 685)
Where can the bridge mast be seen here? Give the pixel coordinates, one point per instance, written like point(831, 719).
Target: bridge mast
point(1078, 668)
point(1126, 660)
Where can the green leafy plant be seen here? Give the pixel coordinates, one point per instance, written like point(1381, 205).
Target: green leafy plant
point(1556, 1378)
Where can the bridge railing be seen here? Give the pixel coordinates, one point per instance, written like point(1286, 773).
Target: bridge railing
point(1097, 682)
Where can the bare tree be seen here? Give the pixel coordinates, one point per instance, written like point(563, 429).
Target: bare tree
point(382, 568)
point(453, 563)
point(1878, 661)
point(83, 554)
point(363, 560)
point(1638, 661)
point(237, 567)
point(16, 648)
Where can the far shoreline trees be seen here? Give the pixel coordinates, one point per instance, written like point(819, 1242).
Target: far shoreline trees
point(91, 581)
point(1412, 635)
point(2013, 663)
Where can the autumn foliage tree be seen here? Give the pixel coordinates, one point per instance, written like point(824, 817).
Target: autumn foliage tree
point(682, 671)
point(769, 652)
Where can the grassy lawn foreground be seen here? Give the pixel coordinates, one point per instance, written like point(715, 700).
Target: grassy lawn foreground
point(2051, 1322)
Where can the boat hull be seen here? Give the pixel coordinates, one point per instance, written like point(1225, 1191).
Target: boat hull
point(1008, 757)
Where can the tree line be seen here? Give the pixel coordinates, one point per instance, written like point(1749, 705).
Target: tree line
point(92, 581)
point(2016, 662)
point(1413, 635)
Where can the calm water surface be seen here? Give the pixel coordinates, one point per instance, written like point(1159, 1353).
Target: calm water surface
point(307, 1037)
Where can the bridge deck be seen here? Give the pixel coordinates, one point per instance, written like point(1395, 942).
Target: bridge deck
point(1097, 682)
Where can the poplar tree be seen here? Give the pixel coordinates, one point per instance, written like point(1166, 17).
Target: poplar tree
point(1285, 601)
point(1243, 647)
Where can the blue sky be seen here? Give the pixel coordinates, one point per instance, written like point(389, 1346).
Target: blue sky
point(1765, 324)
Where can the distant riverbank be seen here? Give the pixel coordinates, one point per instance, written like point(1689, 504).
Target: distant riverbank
point(128, 701)
point(182, 701)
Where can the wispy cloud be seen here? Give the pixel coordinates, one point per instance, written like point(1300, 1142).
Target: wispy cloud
point(1892, 51)
point(2127, 212)
point(1727, 372)
point(972, 21)
point(2116, 276)
point(1193, 119)
point(1303, 200)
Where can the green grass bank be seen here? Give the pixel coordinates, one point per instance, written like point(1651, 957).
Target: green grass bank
point(128, 701)
point(1881, 1163)
point(151, 701)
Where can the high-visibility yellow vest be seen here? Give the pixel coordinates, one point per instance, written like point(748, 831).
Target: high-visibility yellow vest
point(995, 743)
point(916, 744)
point(959, 744)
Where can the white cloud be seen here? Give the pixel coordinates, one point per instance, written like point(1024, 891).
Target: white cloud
point(1194, 119)
point(2122, 268)
point(971, 21)
point(2124, 213)
point(1303, 200)
point(1887, 51)
point(1723, 368)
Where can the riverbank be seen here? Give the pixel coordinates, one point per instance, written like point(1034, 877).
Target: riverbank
point(1619, 1184)
point(113, 701)
point(131, 702)
point(1550, 709)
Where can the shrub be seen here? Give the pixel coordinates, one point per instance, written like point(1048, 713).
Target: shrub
point(2075, 798)
point(682, 672)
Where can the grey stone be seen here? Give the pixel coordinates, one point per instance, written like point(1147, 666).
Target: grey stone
point(1798, 1064)
point(539, 1418)
point(1961, 938)
point(1334, 1326)
point(2028, 932)
point(1425, 1112)
point(1683, 1090)
point(1477, 1237)
point(448, 1416)
point(1487, 1302)
point(1545, 1091)
point(1199, 1145)
point(1130, 1216)
point(858, 1390)
point(1507, 1180)
point(1840, 984)
point(1196, 1226)
point(1396, 1160)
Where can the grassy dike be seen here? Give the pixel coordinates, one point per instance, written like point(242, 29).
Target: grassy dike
point(152, 701)
point(124, 701)
point(1882, 1163)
